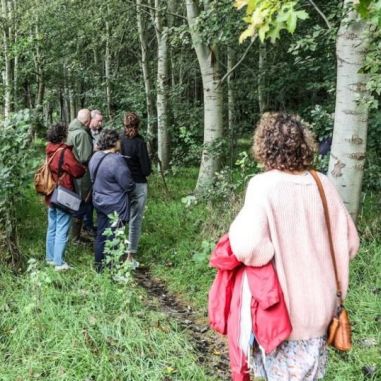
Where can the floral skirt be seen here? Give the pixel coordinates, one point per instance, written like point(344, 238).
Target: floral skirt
point(297, 360)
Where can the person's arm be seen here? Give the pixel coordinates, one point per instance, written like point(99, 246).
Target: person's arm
point(123, 175)
point(249, 233)
point(144, 160)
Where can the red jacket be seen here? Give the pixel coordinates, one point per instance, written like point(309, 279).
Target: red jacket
point(71, 168)
point(270, 320)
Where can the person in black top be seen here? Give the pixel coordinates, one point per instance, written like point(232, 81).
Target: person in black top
point(134, 149)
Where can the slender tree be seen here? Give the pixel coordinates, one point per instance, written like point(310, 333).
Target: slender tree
point(207, 55)
point(346, 166)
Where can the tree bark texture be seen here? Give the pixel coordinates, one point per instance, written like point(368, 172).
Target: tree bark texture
point(213, 121)
point(162, 89)
point(146, 79)
point(346, 165)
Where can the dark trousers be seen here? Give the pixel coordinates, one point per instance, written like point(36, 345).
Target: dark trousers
point(88, 218)
point(103, 222)
point(83, 210)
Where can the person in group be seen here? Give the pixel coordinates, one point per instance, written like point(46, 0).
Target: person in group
point(112, 187)
point(282, 220)
point(134, 149)
point(95, 126)
point(80, 138)
point(59, 221)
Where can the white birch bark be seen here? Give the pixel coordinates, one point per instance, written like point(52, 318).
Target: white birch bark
point(146, 78)
point(162, 89)
point(346, 166)
point(213, 121)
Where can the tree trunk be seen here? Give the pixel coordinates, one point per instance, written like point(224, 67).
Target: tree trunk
point(231, 102)
point(262, 103)
point(346, 165)
point(147, 80)
point(213, 125)
point(107, 70)
point(162, 89)
point(7, 61)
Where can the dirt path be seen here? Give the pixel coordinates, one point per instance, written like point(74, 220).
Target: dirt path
point(210, 348)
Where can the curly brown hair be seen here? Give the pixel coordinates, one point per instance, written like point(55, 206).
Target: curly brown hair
point(131, 123)
point(283, 141)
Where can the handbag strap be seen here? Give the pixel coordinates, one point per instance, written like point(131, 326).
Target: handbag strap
point(97, 167)
point(328, 224)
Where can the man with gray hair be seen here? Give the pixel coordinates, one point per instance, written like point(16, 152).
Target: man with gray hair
point(80, 138)
point(96, 124)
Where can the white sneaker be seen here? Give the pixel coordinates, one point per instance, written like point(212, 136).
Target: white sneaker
point(135, 264)
point(63, 267)
point(50, 263)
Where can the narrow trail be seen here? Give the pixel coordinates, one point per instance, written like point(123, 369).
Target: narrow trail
point(211, 349)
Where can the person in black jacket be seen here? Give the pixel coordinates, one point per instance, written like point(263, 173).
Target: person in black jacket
point(134, 149)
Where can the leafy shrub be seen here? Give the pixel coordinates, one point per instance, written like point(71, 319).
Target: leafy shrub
point(15, 166)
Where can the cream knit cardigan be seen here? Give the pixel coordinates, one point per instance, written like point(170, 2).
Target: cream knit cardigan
point(283, 219)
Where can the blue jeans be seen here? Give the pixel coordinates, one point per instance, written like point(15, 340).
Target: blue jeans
point(57, 235)
point(138, 198)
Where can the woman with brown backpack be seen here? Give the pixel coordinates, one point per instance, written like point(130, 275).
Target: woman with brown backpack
point(64, 168)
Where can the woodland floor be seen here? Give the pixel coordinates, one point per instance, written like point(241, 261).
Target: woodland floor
point(83, 326)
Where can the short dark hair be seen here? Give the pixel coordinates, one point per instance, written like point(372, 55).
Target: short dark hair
point(57, 133)
point(108, 139)
point(283, 141)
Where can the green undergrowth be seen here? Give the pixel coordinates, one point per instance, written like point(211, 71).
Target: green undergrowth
point(176, 245)
point(80, 325)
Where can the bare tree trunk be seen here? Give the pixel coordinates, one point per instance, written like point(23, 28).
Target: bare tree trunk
point(262, 78)
point(40, 71)
point(231, 103)
point(346, 166)
point(107, 70)
point(213, 125)
point(147, 80)
point(7, 61)
point(72, 110)
point(162, 89)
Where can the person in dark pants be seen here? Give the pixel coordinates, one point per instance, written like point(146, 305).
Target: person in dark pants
point(112, 186)
point(79, 137)
point(134, 150)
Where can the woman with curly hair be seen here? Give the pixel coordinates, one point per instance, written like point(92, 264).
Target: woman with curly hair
point(64, 168)
point(282, 220)
point(134, 149)
point(112, 187)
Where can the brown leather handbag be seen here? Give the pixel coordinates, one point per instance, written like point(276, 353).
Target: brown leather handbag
point(339, 333)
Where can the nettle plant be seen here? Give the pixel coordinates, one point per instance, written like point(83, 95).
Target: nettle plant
point(115, 249)
point(15, 172)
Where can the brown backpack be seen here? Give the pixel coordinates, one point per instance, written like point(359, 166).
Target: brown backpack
point(43, 178)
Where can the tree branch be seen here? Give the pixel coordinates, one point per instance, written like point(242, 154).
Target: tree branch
point(158, 10)
point(239, 62)
point(321, 13)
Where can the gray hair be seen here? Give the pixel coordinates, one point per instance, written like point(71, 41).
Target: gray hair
point(94, 113)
